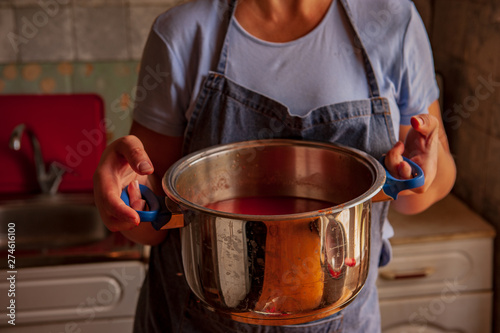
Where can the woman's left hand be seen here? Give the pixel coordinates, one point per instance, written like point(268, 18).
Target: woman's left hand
point(426, 144)
point(421, 146)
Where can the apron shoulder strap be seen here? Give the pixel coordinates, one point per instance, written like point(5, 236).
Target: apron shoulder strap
point(221, 66)
point(370, 73)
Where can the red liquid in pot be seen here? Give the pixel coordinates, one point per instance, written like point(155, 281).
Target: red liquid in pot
point(274, 205)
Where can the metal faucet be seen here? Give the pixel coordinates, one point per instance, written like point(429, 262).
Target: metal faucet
point(47, 180)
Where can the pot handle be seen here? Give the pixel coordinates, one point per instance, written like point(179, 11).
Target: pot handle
point(393, 185)
point(158, 214)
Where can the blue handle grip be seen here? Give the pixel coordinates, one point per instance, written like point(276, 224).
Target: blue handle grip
point(393, 185)
point(158, 214)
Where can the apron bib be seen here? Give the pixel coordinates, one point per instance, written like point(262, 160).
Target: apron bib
point(226, 112)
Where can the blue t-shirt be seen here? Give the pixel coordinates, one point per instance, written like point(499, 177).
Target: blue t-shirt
point(309, 72)
point(323, 67)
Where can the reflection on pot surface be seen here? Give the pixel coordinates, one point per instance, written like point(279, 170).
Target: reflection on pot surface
point(272, 271)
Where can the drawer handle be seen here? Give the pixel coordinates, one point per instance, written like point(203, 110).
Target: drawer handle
point(402, 275)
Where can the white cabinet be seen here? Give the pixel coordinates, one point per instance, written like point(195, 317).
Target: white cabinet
point(95, 297)
point(466, 313)
point(440, 278)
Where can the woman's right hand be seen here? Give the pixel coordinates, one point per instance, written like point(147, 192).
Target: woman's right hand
point(124, 162)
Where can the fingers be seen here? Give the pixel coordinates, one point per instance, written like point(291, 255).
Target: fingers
point(422, 139)
point(132, 149)
point(124, 161)
point(425, 124)
point(395, 164)
point(405, 170)
point(394, 157)
point(421, 146)
point(115, 214)
point(135, 197)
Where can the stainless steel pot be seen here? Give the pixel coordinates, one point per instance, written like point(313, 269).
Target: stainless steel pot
point(274, 269)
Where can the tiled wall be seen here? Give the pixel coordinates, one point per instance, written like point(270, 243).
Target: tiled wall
point(76, 46)
point(75, 30)
point(466, 43)
point(113, 81)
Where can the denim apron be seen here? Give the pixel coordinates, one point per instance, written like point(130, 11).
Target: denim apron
point(226, 112)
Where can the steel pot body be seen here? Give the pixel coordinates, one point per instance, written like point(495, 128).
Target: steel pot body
point(275, 269)
point(277, 272)
point(281, 269)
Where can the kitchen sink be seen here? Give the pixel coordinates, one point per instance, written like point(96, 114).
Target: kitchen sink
point(51, 221)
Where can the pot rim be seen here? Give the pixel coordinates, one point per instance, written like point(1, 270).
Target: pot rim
point(169, 178)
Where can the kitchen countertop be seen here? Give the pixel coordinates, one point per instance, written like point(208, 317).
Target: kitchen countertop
point(447, 219)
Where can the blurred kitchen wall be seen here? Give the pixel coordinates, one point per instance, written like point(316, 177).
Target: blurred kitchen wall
point(465, 36)
point(77, 46)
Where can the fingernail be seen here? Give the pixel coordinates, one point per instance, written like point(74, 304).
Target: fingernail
point(134, 221)
point(145, 167)
point(418, 121)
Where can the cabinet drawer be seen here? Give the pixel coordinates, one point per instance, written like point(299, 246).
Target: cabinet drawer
point(464, 313)
point(119, 325)
point(69, 293)
point(427, 268)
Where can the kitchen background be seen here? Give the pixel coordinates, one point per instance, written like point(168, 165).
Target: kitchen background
point(94, 46)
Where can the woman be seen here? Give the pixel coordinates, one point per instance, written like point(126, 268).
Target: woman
point(344, 71)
